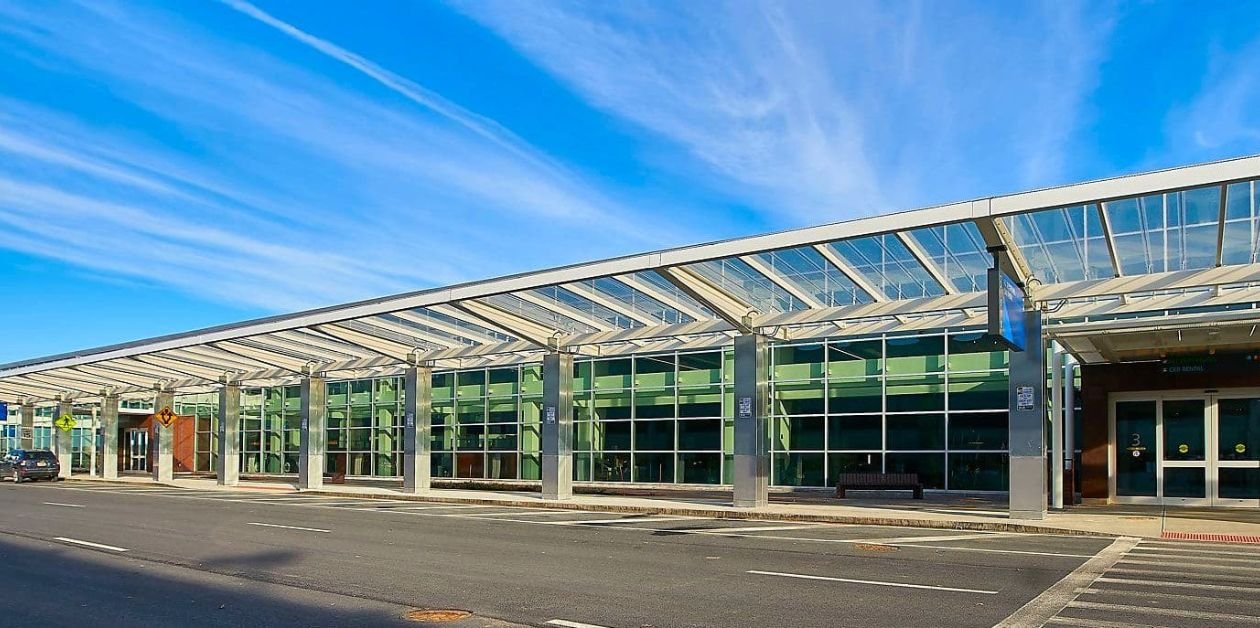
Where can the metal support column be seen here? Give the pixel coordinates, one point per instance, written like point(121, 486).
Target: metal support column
point(63, 440)
point(1028, 424)
point(314, 432)
point(26, 433)
point(109, 435)
point(227, 468)
point(557, 426)
point(1069, 431)
point(1056, 427)
point(417, 415)
point(96, 424)
point(752, 404)
point(163, 441)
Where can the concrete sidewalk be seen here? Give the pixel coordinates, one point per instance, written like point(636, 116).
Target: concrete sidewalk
point(942, 512)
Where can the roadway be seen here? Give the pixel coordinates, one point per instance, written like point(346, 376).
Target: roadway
point(167, 556)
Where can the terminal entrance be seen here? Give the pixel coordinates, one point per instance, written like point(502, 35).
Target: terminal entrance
point(1186, 449)
point(136, 450)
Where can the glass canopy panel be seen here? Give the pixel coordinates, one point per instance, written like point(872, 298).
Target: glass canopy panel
point(475, 331)
point(635, 300)
point(281, 348)
point(886, 263)
point(958, 250)
point(656, 283)
point(391, 335)
point(552, 320)
point(563, 297)
point(1063, 244)
point(807, 269)
point(1242, 225)
point(743, 282)
point(446, 337)
point(1166, 232)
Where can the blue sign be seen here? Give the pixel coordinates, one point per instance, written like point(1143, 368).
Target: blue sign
point(1006, 310)
point(4, 411)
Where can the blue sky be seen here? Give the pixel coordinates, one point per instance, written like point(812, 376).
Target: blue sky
point(166, 166)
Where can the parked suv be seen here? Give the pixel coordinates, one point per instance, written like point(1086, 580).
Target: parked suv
point(35, 464)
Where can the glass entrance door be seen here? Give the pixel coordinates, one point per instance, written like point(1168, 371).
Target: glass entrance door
point(136, 450)
point(1201, 450)
point(1237, 451)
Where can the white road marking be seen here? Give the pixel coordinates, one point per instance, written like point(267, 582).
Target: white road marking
point(1166, 612)
point(273, 525)
point(1234, 551)
point(1195, 560)
point(1098, 623)
point(756, 529)
point(1149, 595)
point(1197, 575)
point(64, 505)
point(1182, 565)
point(572, 624)
point(925, 539)
point(604, 521)
point(900, 585)
point(1053, 600)
point(91, 544)
point(1181, 585)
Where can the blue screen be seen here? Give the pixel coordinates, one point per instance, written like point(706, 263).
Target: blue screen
point(1006, 310)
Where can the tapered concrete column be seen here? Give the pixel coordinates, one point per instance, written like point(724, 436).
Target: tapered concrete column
point(752, 404)
point(63, 440)
point(557, 426)
point(1069, 431)
point(26, 433)
point(1056, 427)
point(227, 468)
point(162, 444)
point(1028, 424)
point(314, 432)
point(417, 415)
point(109, 436)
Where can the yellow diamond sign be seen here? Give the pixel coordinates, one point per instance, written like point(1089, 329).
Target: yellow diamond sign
point(65, 422)
point(166, 417)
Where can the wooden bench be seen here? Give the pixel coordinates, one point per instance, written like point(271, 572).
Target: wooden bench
point(879, 482)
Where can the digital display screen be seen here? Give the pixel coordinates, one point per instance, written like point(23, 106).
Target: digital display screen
point(1006, 310)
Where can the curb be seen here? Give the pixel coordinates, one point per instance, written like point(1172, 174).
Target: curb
point(976, 526)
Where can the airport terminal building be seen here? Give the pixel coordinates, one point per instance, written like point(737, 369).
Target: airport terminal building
point(780, 360)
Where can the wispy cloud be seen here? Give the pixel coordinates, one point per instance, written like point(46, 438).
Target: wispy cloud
point(251, 180)
point(820, 110)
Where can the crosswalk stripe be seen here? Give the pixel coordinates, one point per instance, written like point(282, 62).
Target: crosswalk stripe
point(1180, 585)
point(1098, 623)
point(1181, 565)
point(1166, 612)
point(1235, 578)
point(1198, 560)
point(1148, 595)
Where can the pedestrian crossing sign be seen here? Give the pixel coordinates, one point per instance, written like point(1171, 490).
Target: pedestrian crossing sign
point(65, 422)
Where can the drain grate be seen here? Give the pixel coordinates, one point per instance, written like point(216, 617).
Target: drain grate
point(1205, 536)
point(437, 614)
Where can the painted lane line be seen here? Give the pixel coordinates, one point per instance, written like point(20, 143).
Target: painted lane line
point(572, 624)
point(1181, 585)
point(880, 583)
point(1166, 612)
point(927, 539)
point(1053, 600)
point(64, 505)
point(607, 521)
point(91, 544)
point(756, 529)
point(273, 525)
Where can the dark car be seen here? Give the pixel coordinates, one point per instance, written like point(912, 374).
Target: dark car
point(34, 464)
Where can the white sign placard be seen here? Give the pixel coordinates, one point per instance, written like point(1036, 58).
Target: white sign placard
point(745, 407)
point(1025, 398)
point(551, 414)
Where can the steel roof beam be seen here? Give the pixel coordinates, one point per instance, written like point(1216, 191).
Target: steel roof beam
point(316, 339)
point(455, 330)
point(1220, 227)
point(665, 298)
point(514, 324)
point(269, 358)
point(565, 310)
point(181, 365)
point(387, 348)
point(1109, 238)
point(110, 375)
point(408, 331)
point(153, 370)
point(217, 359)
point(598, 298)
point(927, 263)
point(730, 309)
point(65, 386)
point(449, 309)
point(303, 351)
point(860, 280)
point(778, 279)
point(998, 237)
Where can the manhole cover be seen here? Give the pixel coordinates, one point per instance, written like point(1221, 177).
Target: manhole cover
point(875, 547)
point(437, 614)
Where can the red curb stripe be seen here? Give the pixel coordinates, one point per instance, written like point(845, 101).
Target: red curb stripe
point(1216, 538)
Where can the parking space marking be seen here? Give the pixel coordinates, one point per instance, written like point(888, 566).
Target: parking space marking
point(759, 529)
point(274, 525)
point(111, 548)
point(901, 585)
point(564, 623)
point(927, 539)
point(623, 520)
point(64, 505)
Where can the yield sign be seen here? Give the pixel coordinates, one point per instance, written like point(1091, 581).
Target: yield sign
point(166, 417)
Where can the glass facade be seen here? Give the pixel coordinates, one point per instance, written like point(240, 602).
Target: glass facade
point(204, 410)
point(364, 426)
point(485, 423)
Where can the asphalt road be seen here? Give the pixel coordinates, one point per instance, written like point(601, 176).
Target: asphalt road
point(186, 557)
